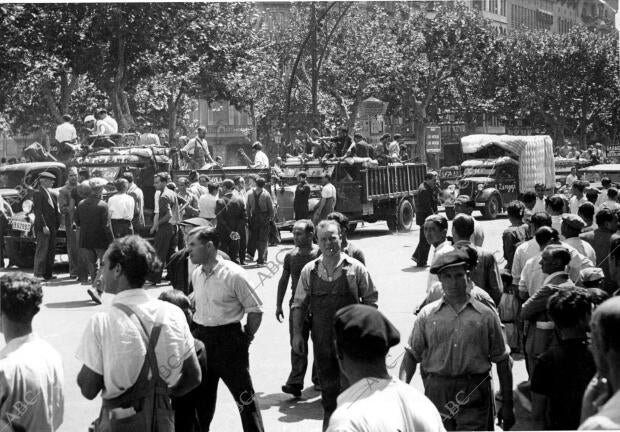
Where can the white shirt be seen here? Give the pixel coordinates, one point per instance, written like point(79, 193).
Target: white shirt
point(609, 204)
point(384, 405)
point(602, 197)
point(433, 254)
point(570, 179)
point(156, 205)
point(31, 385)
point(556, 223)
point(261, 160)
point(607, 418)
point(539, 206)
point(206, 205)
point(104, 128)
point(524, 252)
point(113, 126)
point(583, 247)
point(224, 295)
point(113, 346)
point(328, 191)
point(394, 149)
point(574, 203)
point(121, 206)
point(65, 132)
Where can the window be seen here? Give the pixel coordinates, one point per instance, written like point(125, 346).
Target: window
point(502, 8)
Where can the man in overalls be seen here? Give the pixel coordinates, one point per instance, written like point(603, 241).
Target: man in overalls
point(326, 284)
point(260, 214)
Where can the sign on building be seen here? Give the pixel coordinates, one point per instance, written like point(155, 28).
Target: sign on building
point(433, 139)
point(613, 151)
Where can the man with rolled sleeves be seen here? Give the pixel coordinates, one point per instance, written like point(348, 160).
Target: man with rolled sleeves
point(455, 339)
point(46, 223)
point(425, 205)
point(326, 284)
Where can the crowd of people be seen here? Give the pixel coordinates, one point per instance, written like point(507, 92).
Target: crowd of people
point(552, 297)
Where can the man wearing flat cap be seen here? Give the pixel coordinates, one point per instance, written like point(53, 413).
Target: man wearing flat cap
point(46, 223)
point(375, 401)
point(572, 225)
point(326, 284)
point(455, 339)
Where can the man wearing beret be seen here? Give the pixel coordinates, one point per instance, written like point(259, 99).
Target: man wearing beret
point(326, 284)
point(455, 339)
point(46, 223)
point(375, 401)
point(571, 229)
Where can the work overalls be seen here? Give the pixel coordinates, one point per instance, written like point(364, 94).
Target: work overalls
point(325, 299)
point(149, 396)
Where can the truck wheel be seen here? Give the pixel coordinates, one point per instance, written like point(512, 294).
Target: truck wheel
point(405, 215)
point(450, 212)
point(491, 208)
point(21, 253)
point(351, 228)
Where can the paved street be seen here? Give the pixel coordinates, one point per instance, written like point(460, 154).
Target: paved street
point(401, 287)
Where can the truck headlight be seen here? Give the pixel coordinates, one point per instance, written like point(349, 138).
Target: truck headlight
point(27, 206)
point(480, 187)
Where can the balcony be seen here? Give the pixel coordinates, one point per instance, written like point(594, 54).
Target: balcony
point(225, 131)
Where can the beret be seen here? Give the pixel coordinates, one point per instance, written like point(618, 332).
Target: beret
point(47, 175)
point(362, 331)
point(591, 274)
point(573, 221)
point(453, 258)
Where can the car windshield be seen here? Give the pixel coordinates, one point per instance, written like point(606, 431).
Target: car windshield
point(108, 173)
point(11, 179)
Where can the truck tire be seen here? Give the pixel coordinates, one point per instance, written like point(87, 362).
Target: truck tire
point(405, 215)
point(20, 254)
point(491, 208)
point(450, 212)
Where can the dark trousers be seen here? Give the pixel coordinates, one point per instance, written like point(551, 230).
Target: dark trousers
point(228, 359)
point(421, 252)
point(82, 262)
point(92, 258)
point(45, 253)
point(299, 362)
point(72, 246)
point(259, 237)
point(4, 224)
point(464, 403)
point(121, 228)
point(165, 243)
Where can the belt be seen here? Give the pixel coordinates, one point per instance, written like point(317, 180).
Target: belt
point(220, 328)
point(478, 377)
point(545, 325)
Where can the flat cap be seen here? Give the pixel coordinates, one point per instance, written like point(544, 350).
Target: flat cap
point(591, 274)
point(456, 257)
point(363, 332)
point(573, 221)
point(195, 222)
point(464, 200)
point(47, 175)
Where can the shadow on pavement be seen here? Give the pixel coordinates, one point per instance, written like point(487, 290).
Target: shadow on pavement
point(75, 304)
point(308, 406)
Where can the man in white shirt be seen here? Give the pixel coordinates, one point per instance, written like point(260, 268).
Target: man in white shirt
point(464, 204)
point(570, 179)
point(611, 200)
point(601, 402)
point(602, 196)
point(578, 197)
point(328, 200)
point(394, 149)
point(260, 158)
point(223, 296)
point(106, 125)
point(540, 198)
point(31, 374)
point(121, 208)
point(197, 149)
point(65, 132)
point(118, 341)
point(207, 202)
point(530, 248)
point(375, 401)
point(571, 229)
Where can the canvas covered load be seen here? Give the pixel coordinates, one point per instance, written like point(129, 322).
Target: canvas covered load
point(534, 153)
point(126, 156)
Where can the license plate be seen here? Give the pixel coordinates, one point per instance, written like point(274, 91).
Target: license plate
point(21, 225)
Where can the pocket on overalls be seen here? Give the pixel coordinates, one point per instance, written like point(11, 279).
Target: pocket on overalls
point(135, 422)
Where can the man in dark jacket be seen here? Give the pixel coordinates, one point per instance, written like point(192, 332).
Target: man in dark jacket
point(95, 233)
point(231, 219)
point(260, 214)
point(302, 196)
point(426, 205)
point(46, 223)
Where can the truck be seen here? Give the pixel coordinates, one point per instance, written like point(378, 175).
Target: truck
point(498, 168)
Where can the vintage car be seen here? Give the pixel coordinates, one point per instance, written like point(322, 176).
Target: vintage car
point(17, 184)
